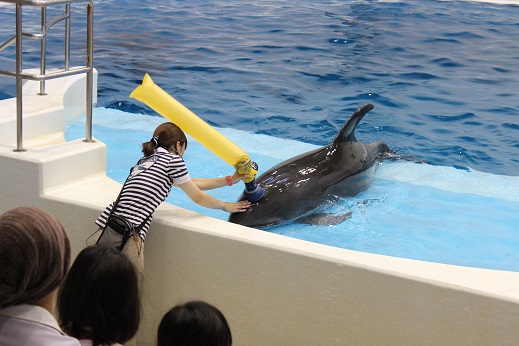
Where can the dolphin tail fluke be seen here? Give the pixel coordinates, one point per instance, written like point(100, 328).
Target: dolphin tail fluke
point(347, 133)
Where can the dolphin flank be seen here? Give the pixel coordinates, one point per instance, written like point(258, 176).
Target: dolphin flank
point(297, 187)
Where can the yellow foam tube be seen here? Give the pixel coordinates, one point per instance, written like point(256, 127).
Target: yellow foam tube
point(164, 104)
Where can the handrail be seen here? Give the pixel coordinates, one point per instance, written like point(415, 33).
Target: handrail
point(41, 3)
point(44, 75)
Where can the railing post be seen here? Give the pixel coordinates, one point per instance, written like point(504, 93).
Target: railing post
point(90, 73)
point(43, 48)
point(67, 37)
point(19, 82)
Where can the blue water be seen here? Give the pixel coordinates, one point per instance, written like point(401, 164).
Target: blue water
point(443, 76)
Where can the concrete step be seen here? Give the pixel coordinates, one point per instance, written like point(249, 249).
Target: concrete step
point(46, 166)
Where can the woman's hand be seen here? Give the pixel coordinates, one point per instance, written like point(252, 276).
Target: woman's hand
point(236, 177)
point(236, 207)
point(206, 200)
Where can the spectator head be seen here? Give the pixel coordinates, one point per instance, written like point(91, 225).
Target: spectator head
point(194, 323)
point(99, 299)
point(34, 255)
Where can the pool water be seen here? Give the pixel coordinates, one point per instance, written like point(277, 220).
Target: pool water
point(282, 77)
point(419, 211)
point(443, 75)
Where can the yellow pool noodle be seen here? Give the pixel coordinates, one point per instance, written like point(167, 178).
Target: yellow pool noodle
point(164, 104)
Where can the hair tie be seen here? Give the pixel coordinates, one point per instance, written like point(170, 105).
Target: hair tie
point(155, 141)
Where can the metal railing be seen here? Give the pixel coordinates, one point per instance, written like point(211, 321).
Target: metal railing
point(43, 75)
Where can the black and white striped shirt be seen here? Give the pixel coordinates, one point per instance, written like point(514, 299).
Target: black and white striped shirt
point(147, 187)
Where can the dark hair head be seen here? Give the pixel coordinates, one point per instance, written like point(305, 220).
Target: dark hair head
point(194, 323)
point(166, 135)
point(99, 299)
point(34, 255)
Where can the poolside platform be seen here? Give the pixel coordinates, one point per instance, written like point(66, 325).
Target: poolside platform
point(274, 290)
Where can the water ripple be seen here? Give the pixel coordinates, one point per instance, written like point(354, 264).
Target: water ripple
point(443, 76)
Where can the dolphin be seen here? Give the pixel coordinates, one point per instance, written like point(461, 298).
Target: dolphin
point(296, 188)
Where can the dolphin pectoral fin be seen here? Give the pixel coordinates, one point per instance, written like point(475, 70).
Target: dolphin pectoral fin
point(325, 219)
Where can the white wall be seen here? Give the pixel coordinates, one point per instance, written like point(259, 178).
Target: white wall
point(273, 290)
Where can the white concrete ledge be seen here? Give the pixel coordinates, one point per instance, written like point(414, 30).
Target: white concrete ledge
point(274, 290)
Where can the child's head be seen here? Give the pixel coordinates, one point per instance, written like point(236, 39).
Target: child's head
point(166, 135)
point(99, 299)
point(194, 323)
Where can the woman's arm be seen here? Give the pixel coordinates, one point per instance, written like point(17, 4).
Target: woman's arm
point(206, 200)
point(214, 183)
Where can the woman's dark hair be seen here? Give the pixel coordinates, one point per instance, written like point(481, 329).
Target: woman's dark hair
point(194, 323)
point(166, 135)
point(100, 299)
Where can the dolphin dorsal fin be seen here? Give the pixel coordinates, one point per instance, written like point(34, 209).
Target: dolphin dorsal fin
point(347, 133)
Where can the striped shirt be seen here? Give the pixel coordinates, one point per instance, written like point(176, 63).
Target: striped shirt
point(147, 187)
